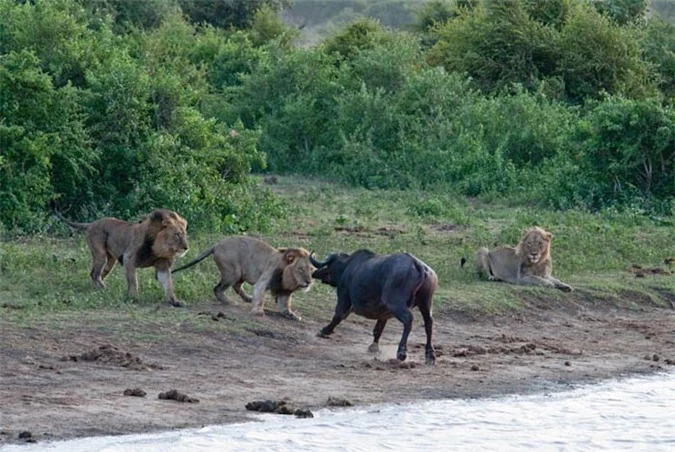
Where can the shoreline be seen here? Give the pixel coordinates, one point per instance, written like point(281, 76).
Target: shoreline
point(229, 361)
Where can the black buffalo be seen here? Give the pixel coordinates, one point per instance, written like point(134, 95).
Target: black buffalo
point(380, 287)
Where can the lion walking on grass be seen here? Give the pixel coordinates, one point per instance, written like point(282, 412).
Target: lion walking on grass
point(155, 241)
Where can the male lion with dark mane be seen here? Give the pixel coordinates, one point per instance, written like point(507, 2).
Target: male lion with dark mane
point(243, 259)
point(155, 241)
point(529, 263)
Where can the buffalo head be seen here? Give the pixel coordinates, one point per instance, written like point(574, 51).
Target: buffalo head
point(326, 269)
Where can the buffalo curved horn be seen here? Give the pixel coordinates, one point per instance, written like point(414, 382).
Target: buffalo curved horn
point(331, 257)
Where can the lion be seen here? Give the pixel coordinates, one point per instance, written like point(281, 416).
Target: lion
point(242, 259)
point(155, 241)
point(529, 263)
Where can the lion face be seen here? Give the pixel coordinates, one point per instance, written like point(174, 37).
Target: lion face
point(298, 271)
point(302, 271)
point(535, 245)
point(171, 239)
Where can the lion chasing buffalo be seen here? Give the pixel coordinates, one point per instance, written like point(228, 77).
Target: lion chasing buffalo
point(378, 287)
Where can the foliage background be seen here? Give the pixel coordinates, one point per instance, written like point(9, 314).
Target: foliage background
point(115, 109)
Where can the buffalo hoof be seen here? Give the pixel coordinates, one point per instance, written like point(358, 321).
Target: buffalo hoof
point(430, 360)
point(177, 304)
point(374, 348)
point(401, 356)
point(323, 335)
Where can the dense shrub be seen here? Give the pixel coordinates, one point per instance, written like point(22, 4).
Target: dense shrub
point(113, 110)
point(630, 145)
point(43, 144)
point(113, 125)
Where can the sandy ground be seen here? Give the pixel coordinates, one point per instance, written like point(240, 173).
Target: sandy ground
point(67, 382)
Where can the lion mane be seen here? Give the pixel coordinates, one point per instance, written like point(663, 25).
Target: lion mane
point(241, 259)
point(529, 263)
point(155, 241)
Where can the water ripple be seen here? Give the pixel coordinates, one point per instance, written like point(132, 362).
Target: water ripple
point(631, 414)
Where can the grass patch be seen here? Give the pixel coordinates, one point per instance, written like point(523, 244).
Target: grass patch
point(592, 252)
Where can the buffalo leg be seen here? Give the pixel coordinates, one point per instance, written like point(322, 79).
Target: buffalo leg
point(429, 353)
point(377, 332)
point(342, 311)
point(406, 318)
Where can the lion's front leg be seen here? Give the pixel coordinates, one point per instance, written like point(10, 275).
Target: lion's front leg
point(560, 285)
point(259, 293)
point(284, 305)
point(164, 277)
point(532, 280)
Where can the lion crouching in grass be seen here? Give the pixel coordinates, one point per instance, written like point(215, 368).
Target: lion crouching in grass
point(155, 241)
point(528, 264)
point(242, 259)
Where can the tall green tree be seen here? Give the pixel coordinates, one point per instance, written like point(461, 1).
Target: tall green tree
point(238, 14)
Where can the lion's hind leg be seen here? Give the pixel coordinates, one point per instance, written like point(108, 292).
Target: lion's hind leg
point(483, 263)
point(100, 262)
point(244, 296)
point(219, 291)
point(109, 265)
point(230, 276)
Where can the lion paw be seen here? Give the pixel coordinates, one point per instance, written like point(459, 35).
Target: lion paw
point(292, 315)
point(258, 312)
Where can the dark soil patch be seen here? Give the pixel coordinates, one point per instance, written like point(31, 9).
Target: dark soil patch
point(216, 316)
point(108, 354)
point(336, 401)
point(641, 272)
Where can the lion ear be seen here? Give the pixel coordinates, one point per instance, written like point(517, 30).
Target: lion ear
point(548, 236)
point(290, 255)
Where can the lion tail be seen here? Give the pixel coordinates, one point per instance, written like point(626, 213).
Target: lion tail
point(197, 260)
point(59, 215)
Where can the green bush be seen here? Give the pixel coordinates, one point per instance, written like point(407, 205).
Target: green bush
point(44, 144)
point(112, 125)
point(658, 46)
point(630, 146)
point(600, 58)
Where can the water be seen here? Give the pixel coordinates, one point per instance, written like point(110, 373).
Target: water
point(631, 414)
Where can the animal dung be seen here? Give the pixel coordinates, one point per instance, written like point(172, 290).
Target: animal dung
point(277, 407)
point(137, 392)
point(178, 396)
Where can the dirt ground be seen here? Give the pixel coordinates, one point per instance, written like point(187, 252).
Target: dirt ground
point(70, 382)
